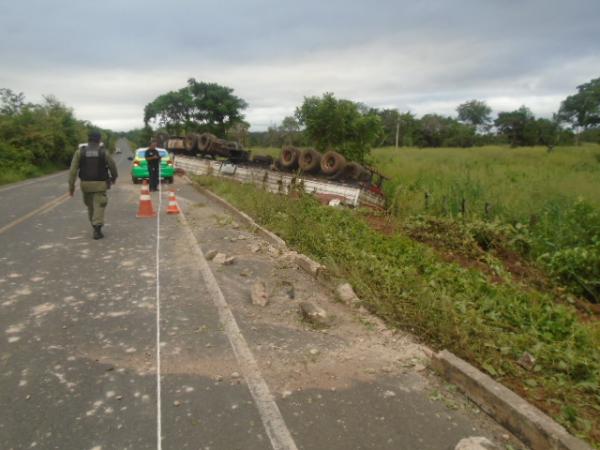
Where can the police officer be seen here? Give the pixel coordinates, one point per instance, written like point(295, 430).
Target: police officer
point(93, 163)
point(153, 160)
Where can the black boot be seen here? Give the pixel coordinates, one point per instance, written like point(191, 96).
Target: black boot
point(98, 232)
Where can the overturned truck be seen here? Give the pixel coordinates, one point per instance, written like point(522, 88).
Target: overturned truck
point(329, 176)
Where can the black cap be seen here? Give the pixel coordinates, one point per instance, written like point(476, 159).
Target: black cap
point(94, 136)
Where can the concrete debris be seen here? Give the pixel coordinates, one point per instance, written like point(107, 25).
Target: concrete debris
point(313, 313)
point(345, 294)
point(222, 258)
point(526, 361)
point(307, 264)
point(211, 254)
point(475, 443)
point(258, 293)
point(273, 251)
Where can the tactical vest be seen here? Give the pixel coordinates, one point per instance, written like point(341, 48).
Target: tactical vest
point(92, 164)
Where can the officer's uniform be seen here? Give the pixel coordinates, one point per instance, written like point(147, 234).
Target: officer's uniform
point(153, 167)
point(93, 163)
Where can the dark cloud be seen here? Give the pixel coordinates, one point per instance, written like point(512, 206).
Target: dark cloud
point(109, 58)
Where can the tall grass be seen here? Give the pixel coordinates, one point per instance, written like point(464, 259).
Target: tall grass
point(515, 183)
point(553, 198)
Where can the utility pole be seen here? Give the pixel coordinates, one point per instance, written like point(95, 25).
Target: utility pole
point(397, 132)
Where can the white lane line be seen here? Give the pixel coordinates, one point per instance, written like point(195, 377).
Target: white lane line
point(158, 380)
point(277, 430)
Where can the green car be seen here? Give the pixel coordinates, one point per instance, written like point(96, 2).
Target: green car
point(139, 169)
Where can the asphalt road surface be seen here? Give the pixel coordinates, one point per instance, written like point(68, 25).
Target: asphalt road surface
point(80, 367)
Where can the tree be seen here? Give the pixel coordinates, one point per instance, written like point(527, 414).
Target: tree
point(340, 125)
point(390, 119)
point(518, 126)
point(11, 103)
point(582, 110)
point(475, 113)
point(199, 106)
point(289, 129)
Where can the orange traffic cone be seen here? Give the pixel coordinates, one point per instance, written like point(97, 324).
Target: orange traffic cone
point(145, 209)
point(173, 207)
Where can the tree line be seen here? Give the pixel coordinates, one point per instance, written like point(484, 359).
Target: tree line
point(353, 128)
point(318, 119)
point(38, 138)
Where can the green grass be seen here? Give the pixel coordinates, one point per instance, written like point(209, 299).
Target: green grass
point(447, 305)
point(516, 183)
point(551, 199)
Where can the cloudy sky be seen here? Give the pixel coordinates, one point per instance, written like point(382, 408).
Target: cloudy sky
point(108, 59)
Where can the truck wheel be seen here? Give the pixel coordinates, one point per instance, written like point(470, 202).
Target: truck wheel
point(332, 163)
point(289, 158)
point(354, 171)
point(309, 160)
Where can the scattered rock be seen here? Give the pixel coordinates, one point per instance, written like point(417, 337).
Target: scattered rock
point(246, 273)
point(388, 394)
point(475, 443)
point(211, 254)
point(273, 251)
point(235, 375)
point(313, 313)
point(255, 248)
point(223, 259)
point(345, 294)
point(314, 351)
point(308, 265)
point(527, 361)
point(286, 394)
point(258, 293)
point(176, 403)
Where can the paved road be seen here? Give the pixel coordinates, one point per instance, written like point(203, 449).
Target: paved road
point(78, 334)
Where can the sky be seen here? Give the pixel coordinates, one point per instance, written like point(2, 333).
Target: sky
point(108, 59)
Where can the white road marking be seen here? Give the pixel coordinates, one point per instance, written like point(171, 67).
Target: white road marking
point(158, 381)
point(277, 430)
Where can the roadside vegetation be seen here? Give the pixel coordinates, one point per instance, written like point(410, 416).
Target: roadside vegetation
point(37, 139)
point(490, 319)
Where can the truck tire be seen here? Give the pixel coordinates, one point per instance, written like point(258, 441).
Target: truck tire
point(354, 171)
point(332, 163)
point(309, 160)
point(289, 158)
point(191, 142)
point(205, 140)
